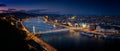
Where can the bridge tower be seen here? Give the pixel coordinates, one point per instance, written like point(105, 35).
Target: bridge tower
point(34, 29)
point(76, 25)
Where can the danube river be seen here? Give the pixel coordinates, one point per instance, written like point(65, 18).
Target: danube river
point(70, 41)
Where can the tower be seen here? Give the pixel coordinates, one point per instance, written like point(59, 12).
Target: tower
point(34, 29)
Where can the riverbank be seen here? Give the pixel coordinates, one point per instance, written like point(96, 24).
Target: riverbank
point(16, 37)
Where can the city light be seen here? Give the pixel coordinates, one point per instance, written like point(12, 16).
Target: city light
point(73, 17)
point(84, 25)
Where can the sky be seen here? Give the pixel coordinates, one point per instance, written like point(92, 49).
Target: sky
point(77, 7)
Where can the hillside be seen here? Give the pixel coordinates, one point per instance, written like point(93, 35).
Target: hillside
point(16, 15)
point(14, 39)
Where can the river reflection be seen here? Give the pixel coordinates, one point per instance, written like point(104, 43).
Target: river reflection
point(67, 41)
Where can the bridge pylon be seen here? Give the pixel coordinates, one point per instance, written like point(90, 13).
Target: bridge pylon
point(34, 29)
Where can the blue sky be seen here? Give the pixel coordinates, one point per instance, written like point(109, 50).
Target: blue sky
point(78, 7)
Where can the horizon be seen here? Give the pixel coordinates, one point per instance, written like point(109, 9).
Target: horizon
point(75, 7)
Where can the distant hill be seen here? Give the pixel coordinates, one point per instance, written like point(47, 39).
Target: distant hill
point(14, 38)
point(45, 14)
point(16, 15)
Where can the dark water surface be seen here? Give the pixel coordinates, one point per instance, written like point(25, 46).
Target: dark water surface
point(66, 41)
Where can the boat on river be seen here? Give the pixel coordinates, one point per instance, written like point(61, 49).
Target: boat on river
point(87, 34)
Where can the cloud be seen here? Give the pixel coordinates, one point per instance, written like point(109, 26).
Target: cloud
point(11, 9)
point(3, 5)
point(51, 12)
point(37, 10)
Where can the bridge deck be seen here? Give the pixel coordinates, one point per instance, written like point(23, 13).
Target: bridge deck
point(59, 30)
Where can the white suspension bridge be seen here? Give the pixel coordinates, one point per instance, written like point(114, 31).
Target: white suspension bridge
point(51, 31)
